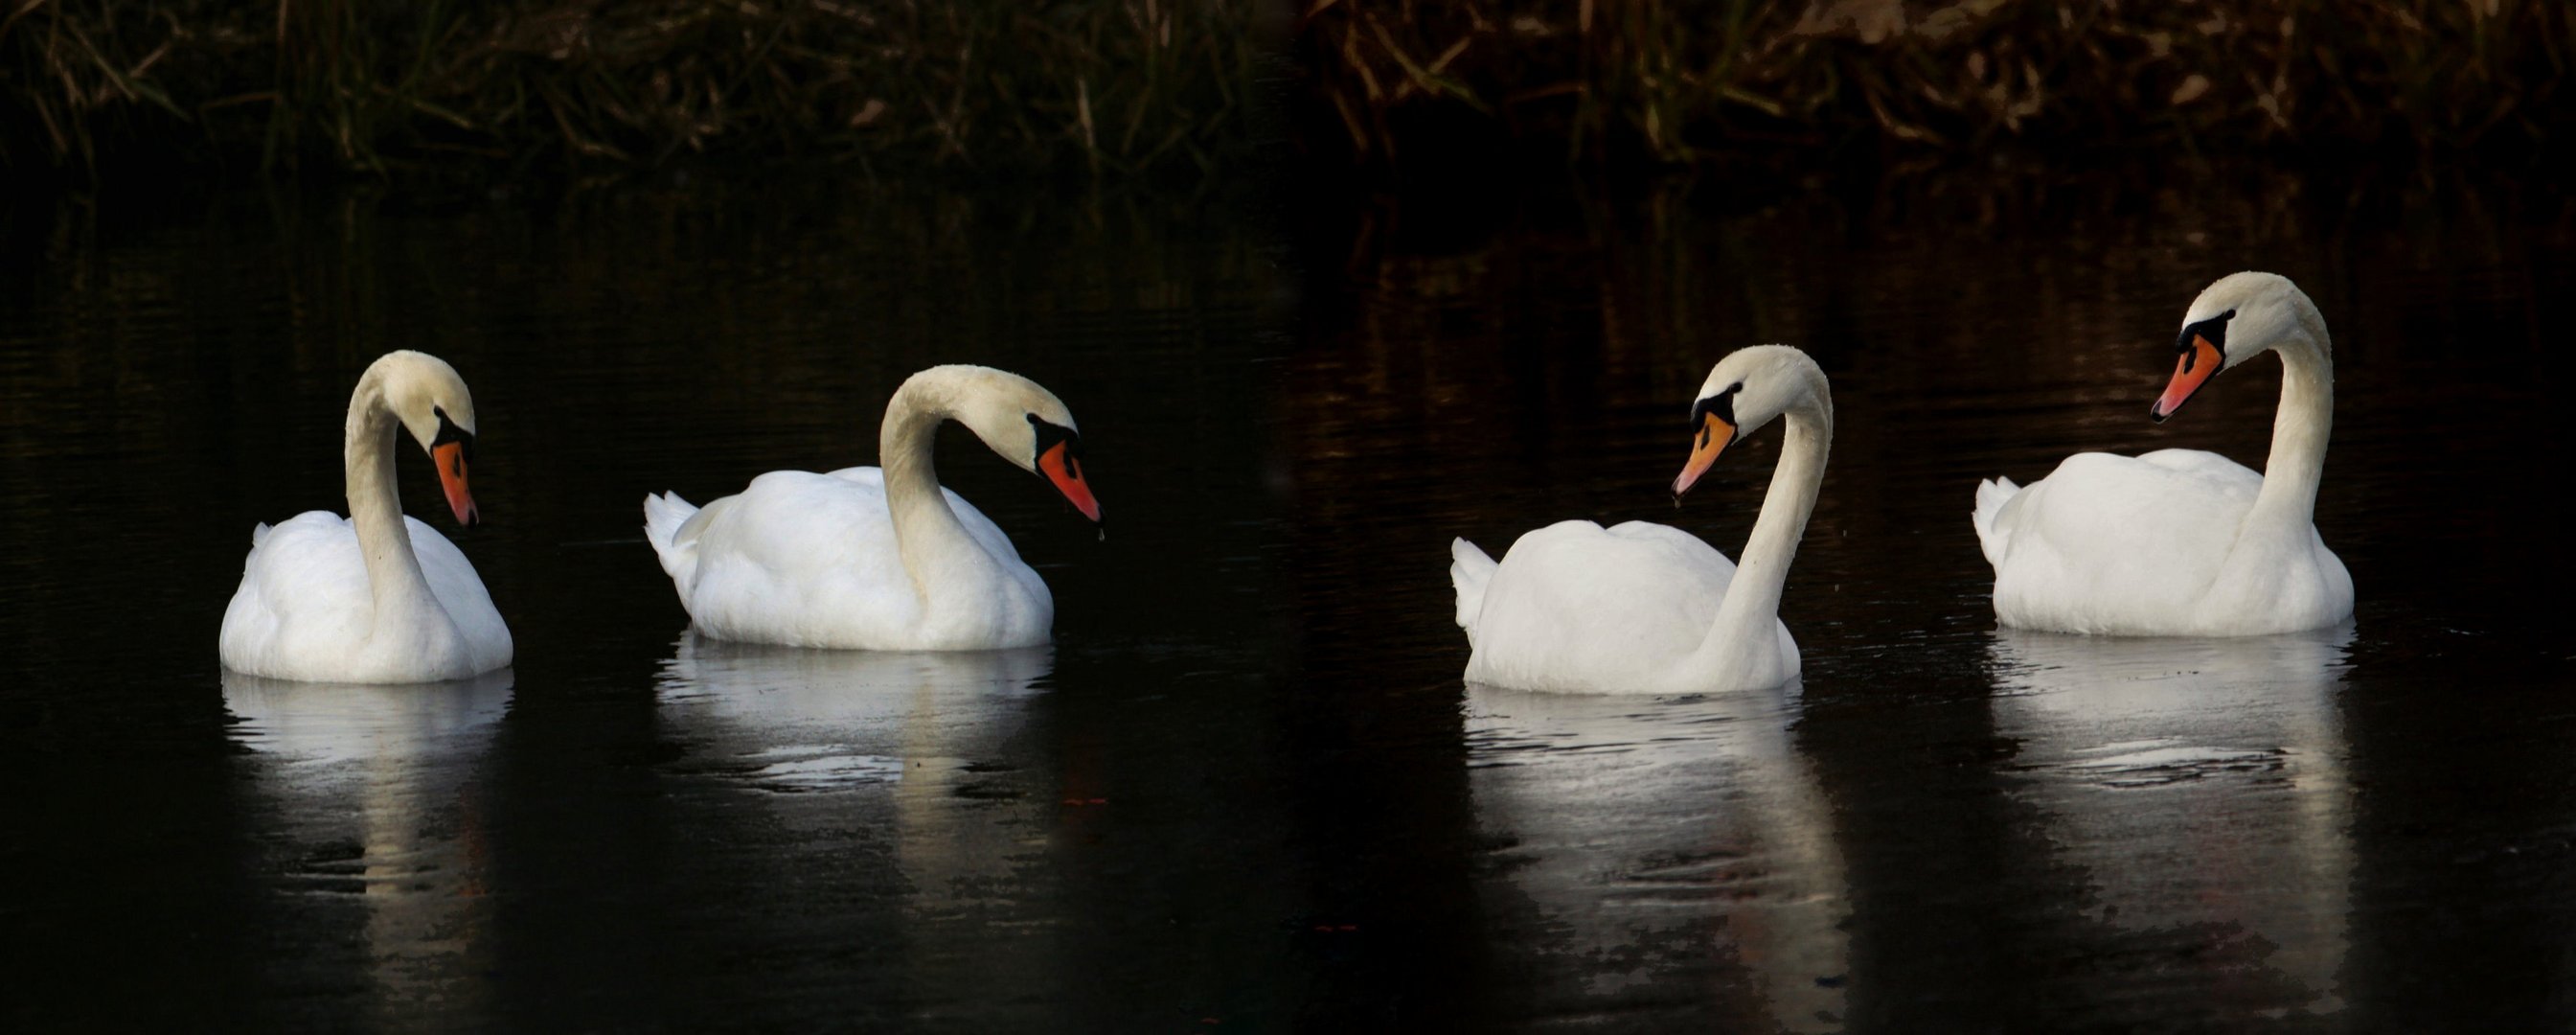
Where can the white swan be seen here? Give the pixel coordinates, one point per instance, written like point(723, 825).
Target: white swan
point(2181, 542)
point(375, 597)
point(1647, 608)
point(879, 560)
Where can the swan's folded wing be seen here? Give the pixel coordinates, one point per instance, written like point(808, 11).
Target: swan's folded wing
point(2150, 529)
point(460, 591)
point(304, 577)
point(794, 544)
point(871, 476)
point(1693, 559)
point(1576, 597)
point(987, 534)
point(2223, 475)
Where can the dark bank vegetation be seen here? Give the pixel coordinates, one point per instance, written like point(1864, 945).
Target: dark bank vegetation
point(1113, 86)
point(1661, 81)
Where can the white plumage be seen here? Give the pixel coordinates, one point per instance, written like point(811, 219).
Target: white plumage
point(811, 560)
point(1647, 608)
point(377, 597)
point(1575, 607)
point(2181, 542)
point(878, 559)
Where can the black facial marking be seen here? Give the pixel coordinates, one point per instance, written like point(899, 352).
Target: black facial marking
point(1722, 404)
point(2214, 329)
point(449, 432)
point(1048, 436)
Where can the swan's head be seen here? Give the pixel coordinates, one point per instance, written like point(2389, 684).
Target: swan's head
point(2241, 316)
point(1745, 391)
point(1025, 423)
point(425, 394)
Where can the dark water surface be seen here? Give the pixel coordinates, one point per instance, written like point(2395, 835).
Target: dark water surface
point(1245, 790)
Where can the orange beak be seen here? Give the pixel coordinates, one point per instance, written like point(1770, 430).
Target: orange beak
point(450, 458)
point(1060, 467)
point(2190, 372)
point(1714, 434)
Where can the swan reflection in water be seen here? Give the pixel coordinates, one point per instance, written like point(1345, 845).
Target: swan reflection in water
point(915, 772)
point(2199, 784)
point(1660, 853)
point(377, 788)
point(795, 719)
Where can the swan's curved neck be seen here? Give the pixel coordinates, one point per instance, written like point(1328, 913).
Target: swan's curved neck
point(394, 577)
point(1746, 619)
point(2299, 432)
point(928, 537)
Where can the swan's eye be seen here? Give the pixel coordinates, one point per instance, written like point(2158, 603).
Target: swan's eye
point(2212, 331)
point(449, 432)
point(1051, 436)
point(1722, 404)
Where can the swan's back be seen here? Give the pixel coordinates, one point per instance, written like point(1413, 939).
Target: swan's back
point(303, 588)
point(1574, 606)
point(2158, 527)
point(799, 518)
point(987, 534)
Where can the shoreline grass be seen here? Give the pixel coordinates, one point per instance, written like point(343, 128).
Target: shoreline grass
point(1673, 84)
point(1114, 87)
